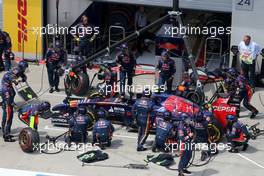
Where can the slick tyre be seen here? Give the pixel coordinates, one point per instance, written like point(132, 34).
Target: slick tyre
point(195, 97)
point(92, 117)
point(67, 86)
point(215, 131)
point(28, 140)
point(93, 94)
point(80, 84)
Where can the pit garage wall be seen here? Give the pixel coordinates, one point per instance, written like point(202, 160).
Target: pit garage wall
point(22, 19)
point(210, 5)
point(69, 11)
point(248, 21)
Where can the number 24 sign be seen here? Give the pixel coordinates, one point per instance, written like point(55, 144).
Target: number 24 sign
point(244, 4)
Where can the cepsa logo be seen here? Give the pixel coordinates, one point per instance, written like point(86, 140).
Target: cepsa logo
point(224, 108)
point(22, 22)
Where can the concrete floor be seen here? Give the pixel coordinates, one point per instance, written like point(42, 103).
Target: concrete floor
point(123, 149)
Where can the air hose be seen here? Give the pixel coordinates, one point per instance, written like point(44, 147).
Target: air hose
point(191, 162)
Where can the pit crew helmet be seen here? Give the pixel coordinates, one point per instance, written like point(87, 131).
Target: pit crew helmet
point(82, 110)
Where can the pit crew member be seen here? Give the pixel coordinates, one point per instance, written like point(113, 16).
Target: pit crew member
point(103, 130)
point(143, 113)
point(127, 67)
point(167, 69)
point(237, 134)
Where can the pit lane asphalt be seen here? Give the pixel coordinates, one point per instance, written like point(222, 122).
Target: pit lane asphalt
point(123, 149)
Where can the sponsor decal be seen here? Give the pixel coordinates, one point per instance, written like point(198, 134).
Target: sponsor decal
point(117, 109)
point(224, 108)
point(111, 109)
point(59, 120)
point(22, 22)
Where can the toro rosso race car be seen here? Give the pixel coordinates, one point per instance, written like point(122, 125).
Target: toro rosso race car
point(120, 110)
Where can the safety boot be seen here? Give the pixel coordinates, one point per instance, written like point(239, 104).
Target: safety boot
point(245, 146)
point(254, 114)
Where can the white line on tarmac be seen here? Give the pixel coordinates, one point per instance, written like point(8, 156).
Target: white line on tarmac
point(53, 129)
point(253, 162)
point(54, 94)
point(123, 136)
point(16, 172)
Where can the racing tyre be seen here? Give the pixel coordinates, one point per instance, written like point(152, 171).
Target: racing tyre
point(195, 97)
point(80, 84)
point(67, 86)
point(215, 131)
point(92, 117)
point(28, 140)
point(260, 81)
point(95, 94)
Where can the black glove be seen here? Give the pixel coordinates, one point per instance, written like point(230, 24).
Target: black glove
point(15, 82)
point(24, 79)
point(133, 72)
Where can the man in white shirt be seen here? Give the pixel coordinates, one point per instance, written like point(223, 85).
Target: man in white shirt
point(248, 52)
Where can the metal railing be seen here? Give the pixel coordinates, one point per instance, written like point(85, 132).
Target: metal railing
point(123, 32)
point(23, 43)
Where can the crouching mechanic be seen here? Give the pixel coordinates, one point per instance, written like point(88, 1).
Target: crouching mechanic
point(164, 131)
point(237, 134)
point(30, 114)
point(78, 127)
point(185, 135)
point(103, 130)
point(8, 94)
point(143, 113)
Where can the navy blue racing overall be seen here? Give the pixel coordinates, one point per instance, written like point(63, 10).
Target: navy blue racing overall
point(8, 94)
point(102, 132)
point(246, 93)
point(184, 132)
point(167, 71)
point(79, 126)
point(238, 135)
point(127, 69)
point(143, 113)
point(53, 61)
point(164, 131)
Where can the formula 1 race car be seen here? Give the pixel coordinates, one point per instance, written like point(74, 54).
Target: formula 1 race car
point(119, 110)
